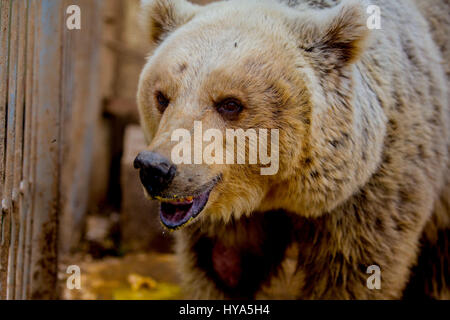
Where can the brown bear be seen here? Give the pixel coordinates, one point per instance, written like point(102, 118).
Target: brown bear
point(362, 115)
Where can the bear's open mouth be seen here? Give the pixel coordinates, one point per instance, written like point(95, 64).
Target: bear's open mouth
point(177, 212)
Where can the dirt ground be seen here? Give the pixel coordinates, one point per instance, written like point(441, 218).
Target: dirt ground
point(133, 277)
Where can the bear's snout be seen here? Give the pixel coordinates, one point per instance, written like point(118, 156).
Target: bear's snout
point(156, 171)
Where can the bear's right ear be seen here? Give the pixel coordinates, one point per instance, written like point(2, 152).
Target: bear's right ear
point(161, 17)
point(336, 36)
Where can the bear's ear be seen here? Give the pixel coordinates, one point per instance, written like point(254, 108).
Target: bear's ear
point(335, 36)
point(161, 17)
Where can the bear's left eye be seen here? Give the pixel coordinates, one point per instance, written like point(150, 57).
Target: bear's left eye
point(229, 108)
point(162, 100)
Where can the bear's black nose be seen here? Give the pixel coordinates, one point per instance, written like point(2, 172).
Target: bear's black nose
point(156, 172)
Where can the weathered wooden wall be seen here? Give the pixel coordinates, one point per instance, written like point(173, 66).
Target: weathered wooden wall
point(48, 103)
point(66, 97)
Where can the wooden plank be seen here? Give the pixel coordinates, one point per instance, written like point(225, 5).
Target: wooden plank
point(9, 229)
point(18, 194)
point(110, 30)
point(69, 95)
point(18, 47)
point(30, 146)
point(81, 109)
point(46, 185)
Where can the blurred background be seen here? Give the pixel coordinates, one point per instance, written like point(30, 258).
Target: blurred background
point(69, 132)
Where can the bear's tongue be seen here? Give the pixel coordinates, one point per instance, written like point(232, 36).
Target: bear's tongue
point(176, 213)
point(173, 212)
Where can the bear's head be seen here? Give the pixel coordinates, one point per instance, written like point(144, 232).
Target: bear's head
point(251, 65)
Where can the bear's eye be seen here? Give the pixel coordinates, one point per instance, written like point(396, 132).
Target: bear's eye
point(229, 108)
point(162, 100)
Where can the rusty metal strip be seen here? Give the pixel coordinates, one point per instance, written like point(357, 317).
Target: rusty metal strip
point(33, 36)
point(17, 208)
point(11, 112)
point(4, 74)
point(25, 197)
point(14, 135)
point(4, 48)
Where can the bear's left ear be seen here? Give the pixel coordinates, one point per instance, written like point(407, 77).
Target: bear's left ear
point(337, 36)
point(161, 17)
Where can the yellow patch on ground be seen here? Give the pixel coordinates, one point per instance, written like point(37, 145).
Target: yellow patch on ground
point(135, 277)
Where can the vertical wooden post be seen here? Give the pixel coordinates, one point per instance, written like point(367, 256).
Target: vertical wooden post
point(46, 185)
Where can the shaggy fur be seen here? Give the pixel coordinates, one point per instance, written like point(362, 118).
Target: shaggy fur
point(364, 144)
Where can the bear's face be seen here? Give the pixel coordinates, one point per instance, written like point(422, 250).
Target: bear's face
point(240, 65)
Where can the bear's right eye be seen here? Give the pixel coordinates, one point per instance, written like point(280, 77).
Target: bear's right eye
point(162, 101)
point(229, 108)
